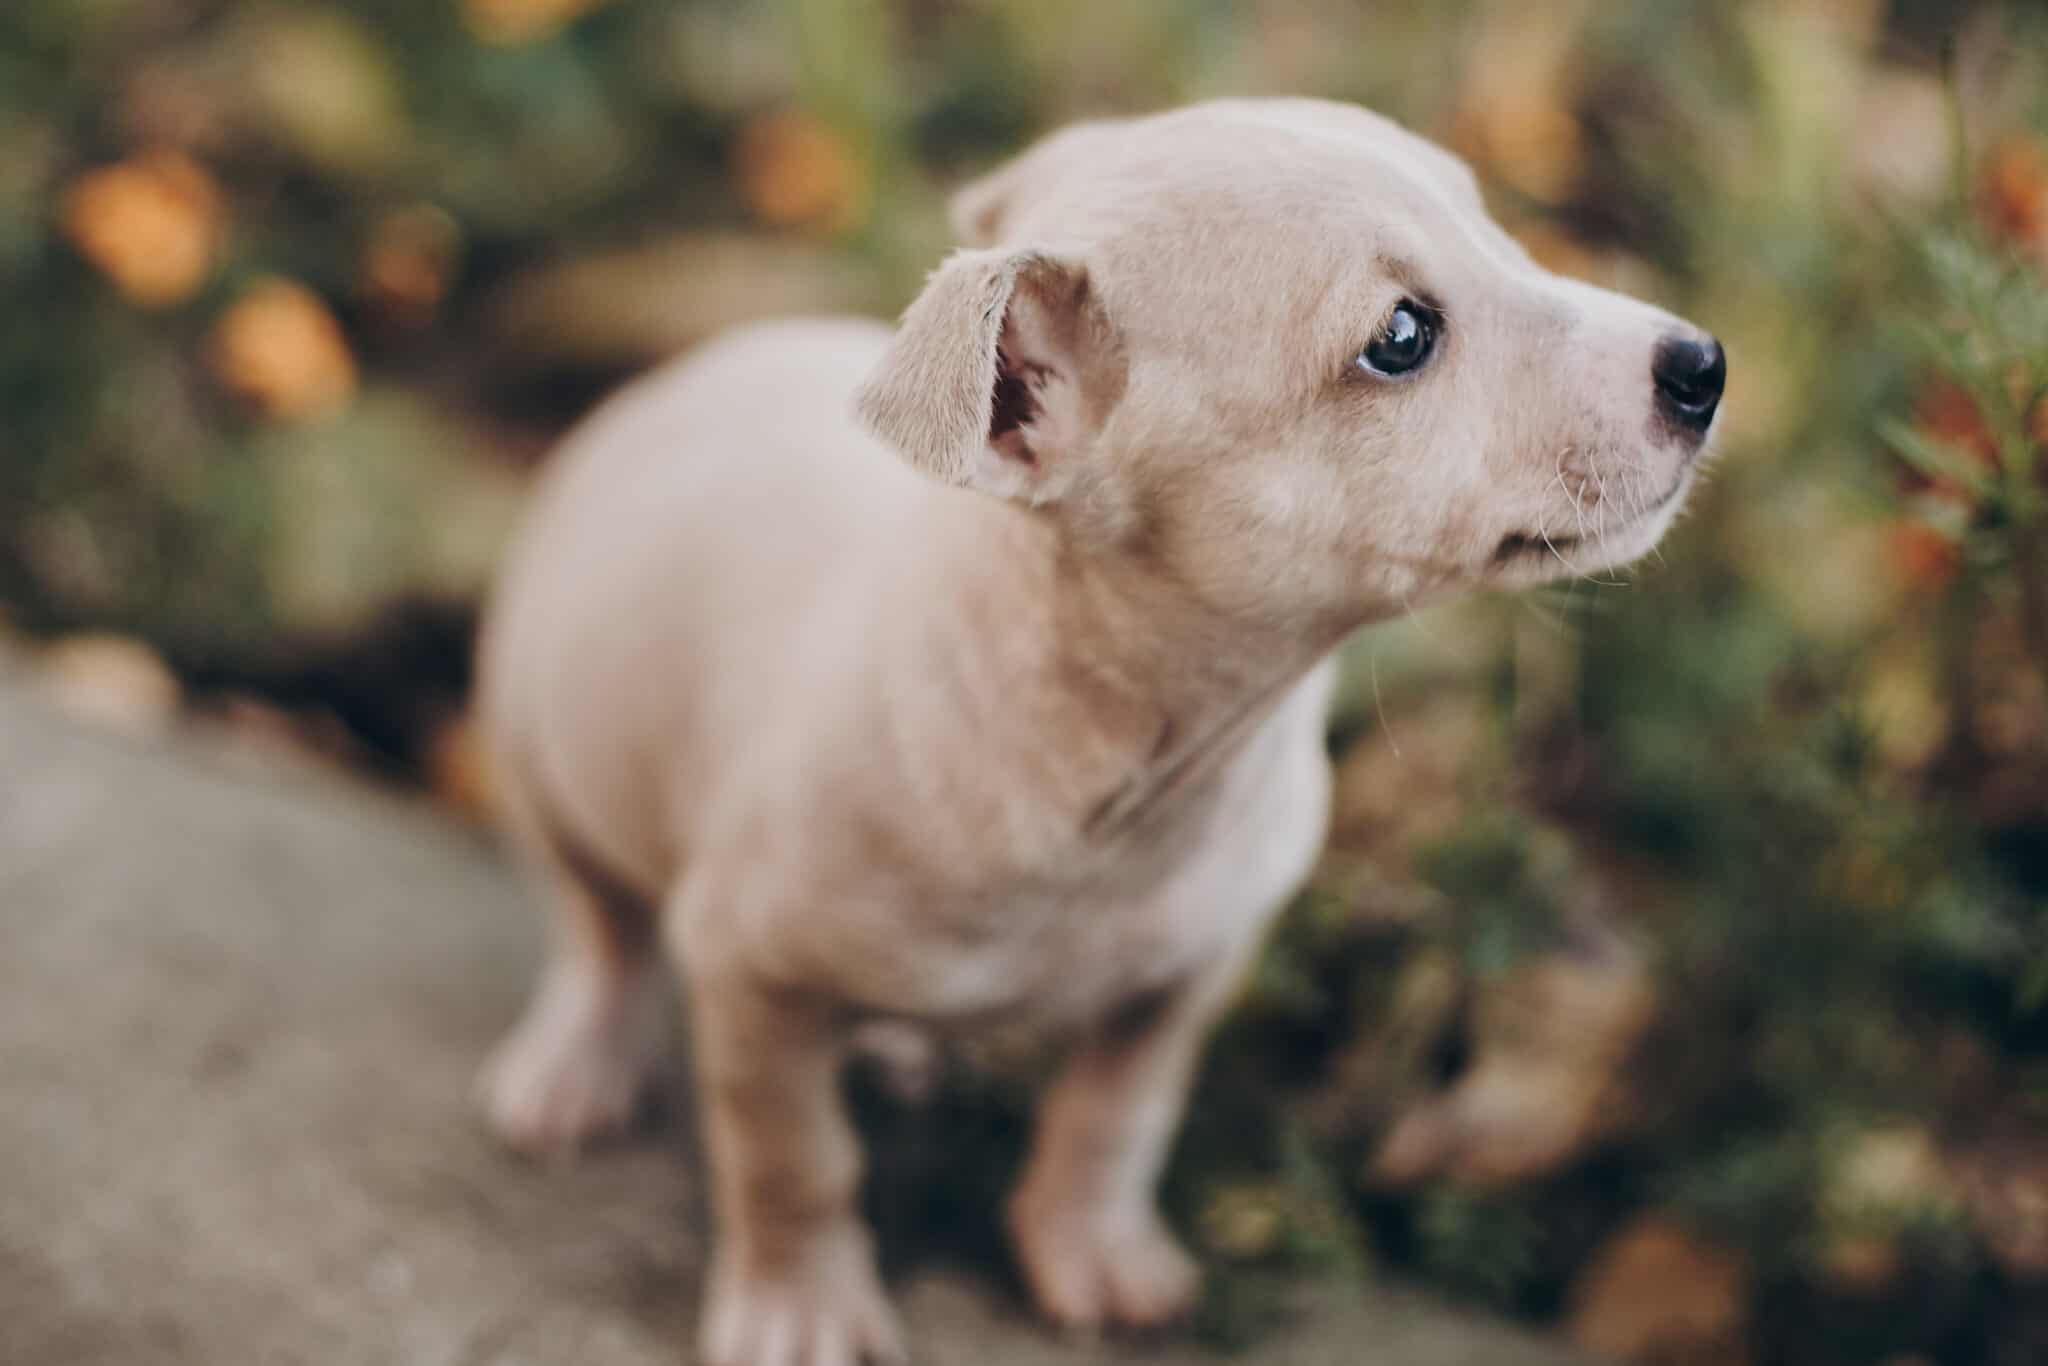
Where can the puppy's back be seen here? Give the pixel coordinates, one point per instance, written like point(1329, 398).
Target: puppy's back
point(687, 537)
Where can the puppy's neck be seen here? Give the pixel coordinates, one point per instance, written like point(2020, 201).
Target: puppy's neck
point(1118, 685)
point(1201, 680)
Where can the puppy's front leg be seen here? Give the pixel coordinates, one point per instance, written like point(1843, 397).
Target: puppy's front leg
point(793, 1279)
point(1087, 1230)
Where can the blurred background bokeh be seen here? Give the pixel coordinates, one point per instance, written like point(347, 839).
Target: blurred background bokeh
point(1678, 974)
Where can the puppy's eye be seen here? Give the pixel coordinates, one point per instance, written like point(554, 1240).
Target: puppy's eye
point(1403, 342)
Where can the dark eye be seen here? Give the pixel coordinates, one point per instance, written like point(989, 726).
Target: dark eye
point(1403, 342)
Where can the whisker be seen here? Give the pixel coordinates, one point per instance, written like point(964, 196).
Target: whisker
point(1573, 569)
point(1415, 619)
point(1379, 707)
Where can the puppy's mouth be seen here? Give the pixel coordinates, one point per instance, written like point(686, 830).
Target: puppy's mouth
point(1517, 544)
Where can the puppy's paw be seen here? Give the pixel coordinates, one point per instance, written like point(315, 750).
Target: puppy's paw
point(828, 1309)
point(1092, 1266)
point(572, 1072)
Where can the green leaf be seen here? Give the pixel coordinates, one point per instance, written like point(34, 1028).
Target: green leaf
point(1935, 459)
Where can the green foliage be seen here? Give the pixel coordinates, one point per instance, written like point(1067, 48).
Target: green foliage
point(1509, 878)
point(1489, 1248)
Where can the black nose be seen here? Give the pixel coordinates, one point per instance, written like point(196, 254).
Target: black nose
point(1690, 372)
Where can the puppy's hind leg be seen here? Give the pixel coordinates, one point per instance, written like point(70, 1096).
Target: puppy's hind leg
point(576, 1066)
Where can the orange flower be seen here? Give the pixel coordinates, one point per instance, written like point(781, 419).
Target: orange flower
point(1946, 413)
point(151, 223)
point(2012, 196)
point(797, 171)
point(521, 21)
point(280, 348)
point(1924, 559)
point(408, 263)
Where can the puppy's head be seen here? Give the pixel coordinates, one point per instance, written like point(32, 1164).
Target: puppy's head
point(1279, 346)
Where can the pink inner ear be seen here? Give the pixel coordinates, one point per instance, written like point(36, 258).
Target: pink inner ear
point(1015, 404)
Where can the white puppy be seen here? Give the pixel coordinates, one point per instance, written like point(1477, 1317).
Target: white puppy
point(975, 672)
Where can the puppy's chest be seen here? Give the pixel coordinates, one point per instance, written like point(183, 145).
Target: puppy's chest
point(1039, 962)
point(1059, 961)
point(1142, 913)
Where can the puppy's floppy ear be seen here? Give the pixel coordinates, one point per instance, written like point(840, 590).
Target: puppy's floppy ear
point(999, 371)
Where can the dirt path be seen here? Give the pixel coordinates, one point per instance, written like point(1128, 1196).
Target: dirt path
point(238, 1017)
